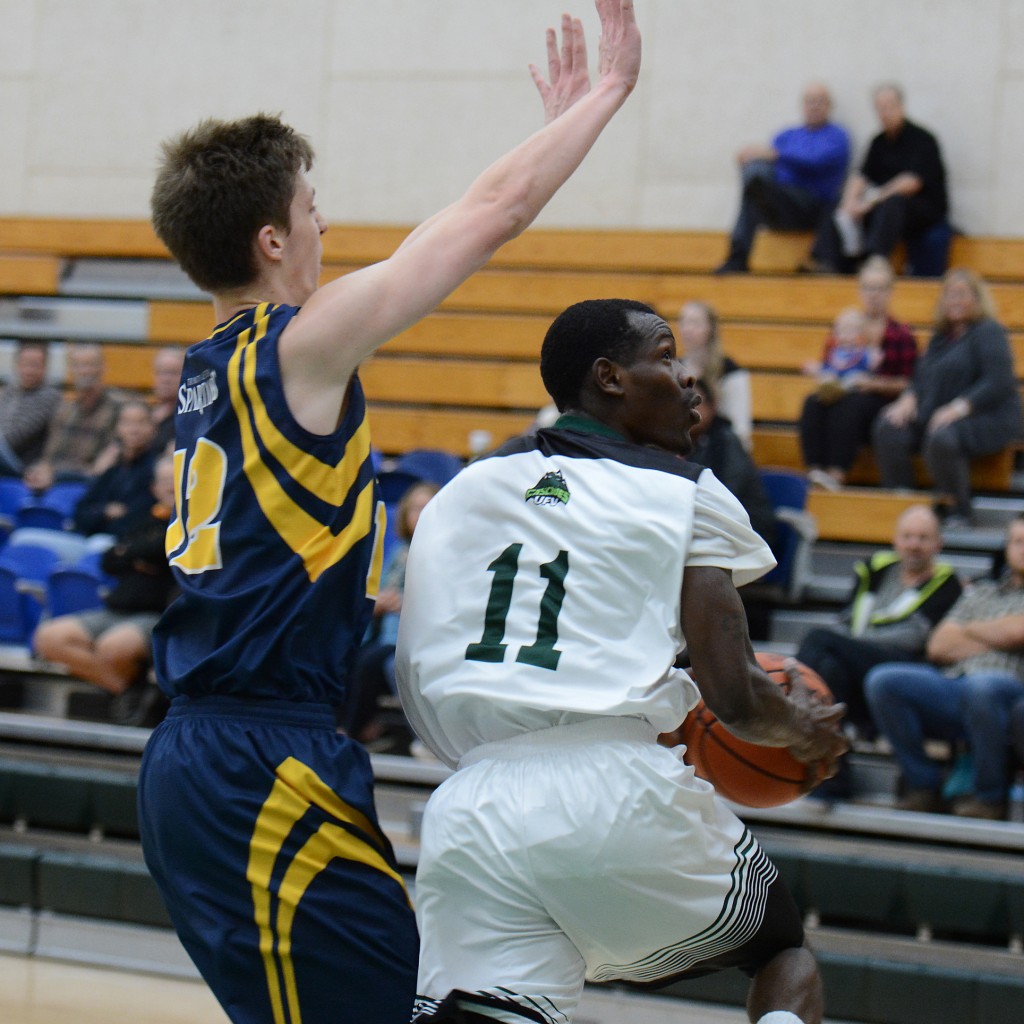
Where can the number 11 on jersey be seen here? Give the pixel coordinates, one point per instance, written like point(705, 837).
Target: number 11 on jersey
point(542, 653)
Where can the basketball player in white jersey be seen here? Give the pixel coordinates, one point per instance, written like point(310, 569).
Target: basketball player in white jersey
point(550, 588)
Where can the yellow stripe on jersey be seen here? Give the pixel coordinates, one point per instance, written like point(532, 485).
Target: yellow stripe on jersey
point(296, 789)
point(377, 561)
point(313, 541)
point(319, 478)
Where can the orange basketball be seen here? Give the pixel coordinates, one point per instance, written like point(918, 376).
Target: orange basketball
point(744, 772)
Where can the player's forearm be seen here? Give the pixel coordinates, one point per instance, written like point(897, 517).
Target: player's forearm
point(731, 682)
point(514, 189)
point(763, 716)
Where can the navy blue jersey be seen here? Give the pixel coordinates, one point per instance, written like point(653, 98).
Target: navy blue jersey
point(276, 538)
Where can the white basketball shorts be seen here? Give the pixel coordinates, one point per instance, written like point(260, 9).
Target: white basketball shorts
point(585, 851)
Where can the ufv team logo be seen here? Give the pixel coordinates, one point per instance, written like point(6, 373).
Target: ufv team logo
point(550, 489)
point(198, 392)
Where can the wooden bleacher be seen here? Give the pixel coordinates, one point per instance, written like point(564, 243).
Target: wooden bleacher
point(472, 364)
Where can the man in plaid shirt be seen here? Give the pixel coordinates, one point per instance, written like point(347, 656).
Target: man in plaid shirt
point(82, 431)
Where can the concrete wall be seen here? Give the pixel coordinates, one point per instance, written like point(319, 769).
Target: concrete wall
point(407, 99)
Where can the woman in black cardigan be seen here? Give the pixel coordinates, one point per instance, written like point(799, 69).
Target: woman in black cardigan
point(962, 402)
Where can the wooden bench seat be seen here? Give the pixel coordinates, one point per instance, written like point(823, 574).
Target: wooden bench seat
point(492, 384)
point(996, 259)
point(862, 515)
point(400, 428)
point(780, 447)
point(29, 274)
point(619, 249)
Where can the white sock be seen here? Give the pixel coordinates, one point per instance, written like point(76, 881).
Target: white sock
point(780, 1017)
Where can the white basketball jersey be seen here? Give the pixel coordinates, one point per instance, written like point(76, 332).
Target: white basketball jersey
point(543, 587)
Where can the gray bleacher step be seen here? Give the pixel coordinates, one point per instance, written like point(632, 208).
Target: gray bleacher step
point(73, 319)
point(111, 944)
point(790, 626)
point(128, 279)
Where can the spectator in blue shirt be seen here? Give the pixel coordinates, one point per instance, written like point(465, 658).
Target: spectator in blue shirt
point(792, 184)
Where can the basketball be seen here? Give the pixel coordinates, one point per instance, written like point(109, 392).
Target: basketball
point(743, 772)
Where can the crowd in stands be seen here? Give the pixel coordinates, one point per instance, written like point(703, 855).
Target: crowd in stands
point(965, 691)
point(89, 488)
point(962, 401)
point(799, 182)
point(836, 421)
point(917, 654)
point(794, 182)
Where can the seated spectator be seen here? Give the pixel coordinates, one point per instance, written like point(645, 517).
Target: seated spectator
point(27, 406)
point(110, 647)
point(78, 444)
point(792, 184)
point(898, 194)
point(700, 348)
point(120, 496)
point(374, 672)
point(848, 356)
point(167, 364)
point(716, 446)
point(975, 675)
point(898, 597)
point(834, 427)
point(962, 401)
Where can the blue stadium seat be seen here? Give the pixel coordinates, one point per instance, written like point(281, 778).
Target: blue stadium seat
point(394, 483)
point(796, 531)
point(431, 464)
point(928, 252)
point(13, 494)
point(64, 496)
point(70, 590)
point(37, 516)
point(15, 618)
point(26, 568)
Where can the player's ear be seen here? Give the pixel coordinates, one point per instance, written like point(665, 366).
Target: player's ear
point(607, 376)
point(270, 242)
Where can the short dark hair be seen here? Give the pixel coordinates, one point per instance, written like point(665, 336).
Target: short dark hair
point(218, 184)
point(34, 345)
point(579, 336)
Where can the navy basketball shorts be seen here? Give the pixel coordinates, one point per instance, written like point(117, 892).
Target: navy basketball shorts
point(258, 825)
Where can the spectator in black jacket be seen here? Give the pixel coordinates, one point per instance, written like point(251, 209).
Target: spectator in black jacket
point(110, 646)
point(120, 497)
point(899, 192)
point(716, 445)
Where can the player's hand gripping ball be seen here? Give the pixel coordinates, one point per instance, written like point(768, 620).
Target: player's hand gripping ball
point(744, 772)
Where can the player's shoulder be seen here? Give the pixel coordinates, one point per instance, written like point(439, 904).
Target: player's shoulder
point(592, 445)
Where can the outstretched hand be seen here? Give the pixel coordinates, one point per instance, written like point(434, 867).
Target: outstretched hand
point(568, 77)
point(619, 49)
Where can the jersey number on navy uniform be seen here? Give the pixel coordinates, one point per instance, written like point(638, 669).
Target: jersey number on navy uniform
point(542, 653)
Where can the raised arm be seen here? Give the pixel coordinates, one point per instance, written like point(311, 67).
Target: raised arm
point(347, 319)
point(735, 687)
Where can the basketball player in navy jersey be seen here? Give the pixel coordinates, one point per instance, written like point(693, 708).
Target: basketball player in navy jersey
point(549, 589)
point(257, 819)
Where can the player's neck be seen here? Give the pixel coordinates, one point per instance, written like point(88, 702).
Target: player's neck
point(228, 304)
